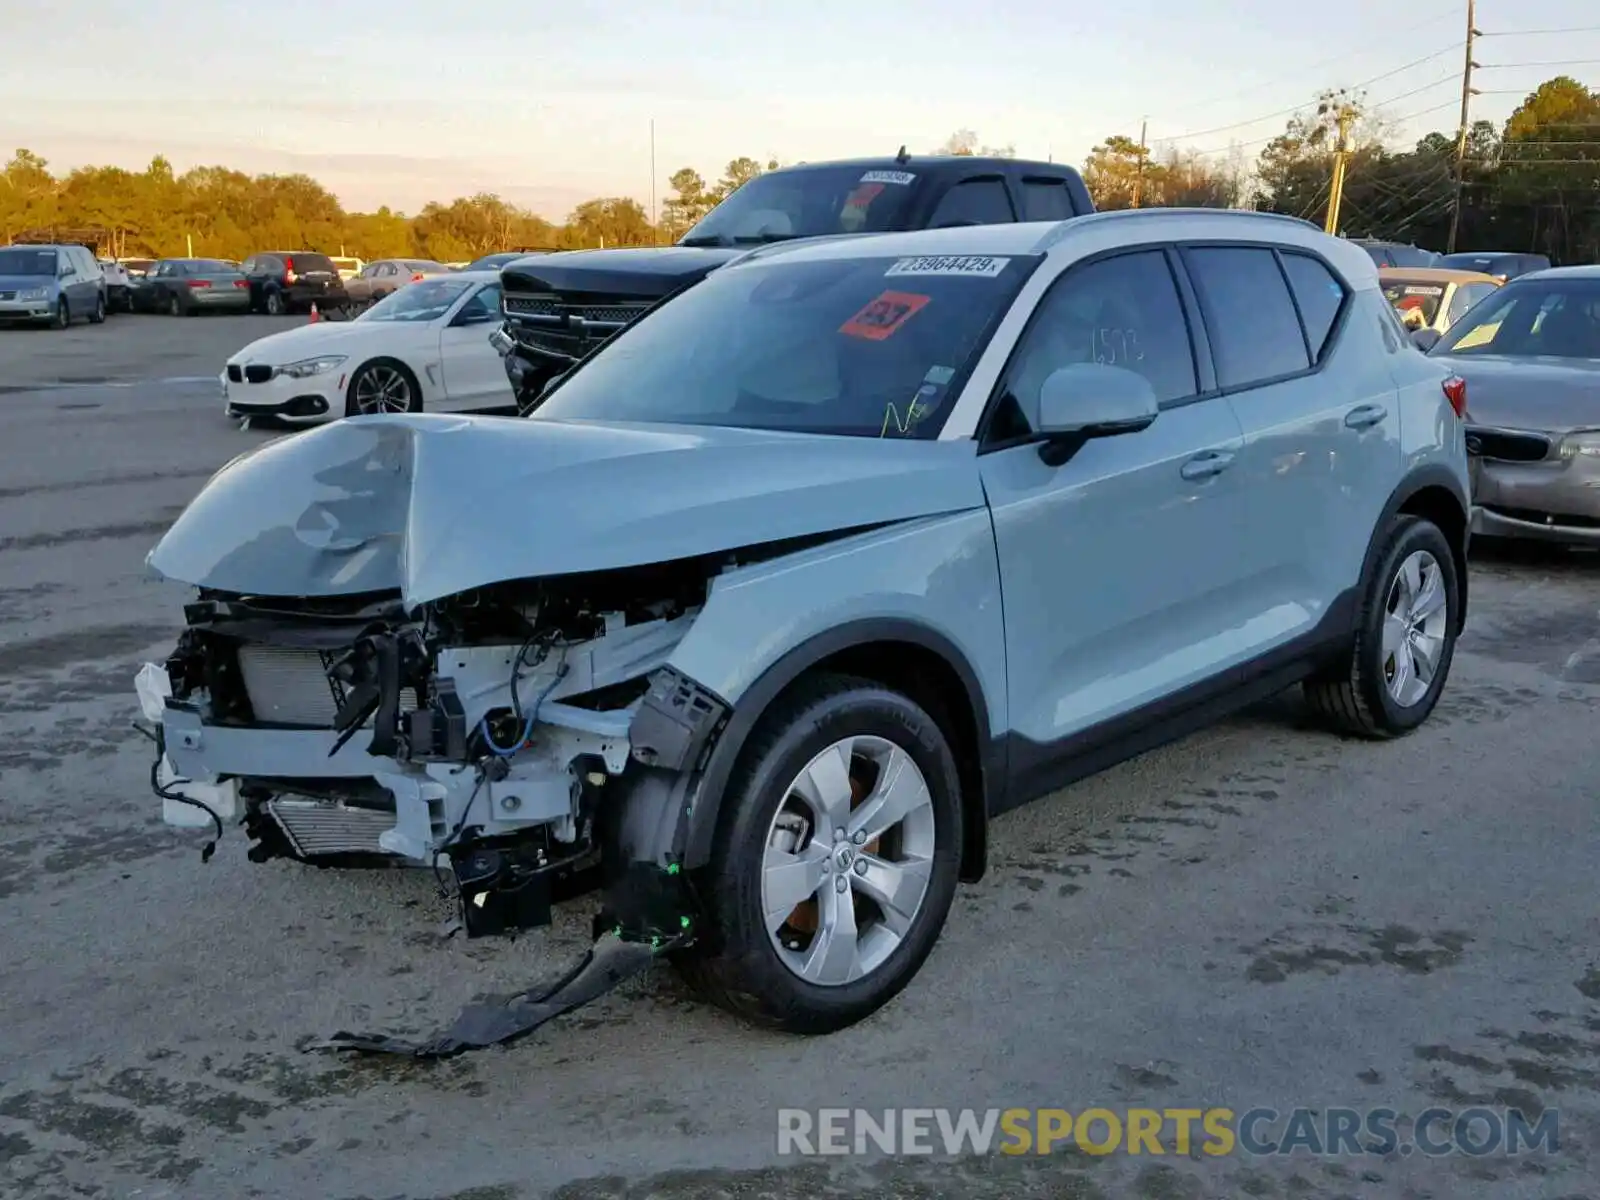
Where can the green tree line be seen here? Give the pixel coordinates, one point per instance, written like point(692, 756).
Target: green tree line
point(1532, 184)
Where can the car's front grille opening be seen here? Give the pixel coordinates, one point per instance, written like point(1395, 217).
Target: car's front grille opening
point(1507, 446)
point(1535, 516)
point(235, 373)
point(256, 373)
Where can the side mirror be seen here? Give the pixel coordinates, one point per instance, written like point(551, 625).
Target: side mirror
point(1425, 339)
point(1091, 400)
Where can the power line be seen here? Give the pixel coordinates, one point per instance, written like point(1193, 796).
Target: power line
point(1198, 133)
point(1541, 32)
point(1558, 62)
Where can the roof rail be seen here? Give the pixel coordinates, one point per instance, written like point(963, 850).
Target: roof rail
point(1062, 227)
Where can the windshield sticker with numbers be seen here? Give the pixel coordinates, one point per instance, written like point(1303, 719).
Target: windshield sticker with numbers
point(903, 178)
point(883, 317)
point(980, 266)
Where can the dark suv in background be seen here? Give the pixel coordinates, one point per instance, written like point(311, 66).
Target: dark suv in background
point(283, 281)
point(559, 307)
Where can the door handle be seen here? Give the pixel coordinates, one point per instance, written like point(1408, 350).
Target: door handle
point(1207, 464)
point(1365, 416)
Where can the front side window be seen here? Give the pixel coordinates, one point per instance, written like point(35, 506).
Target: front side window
point(1556, 318)
point(807, 202)
point(1251, 320)
point(485, 306)
point(859, 346)
point(425, 301)
point(1122, 311)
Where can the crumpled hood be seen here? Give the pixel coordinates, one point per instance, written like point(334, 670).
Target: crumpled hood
point(1555, 395)
point(435, 505)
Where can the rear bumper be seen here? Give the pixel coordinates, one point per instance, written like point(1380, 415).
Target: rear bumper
point(237, 299)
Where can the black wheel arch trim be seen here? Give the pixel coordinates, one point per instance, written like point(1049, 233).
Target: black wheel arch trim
point(698, 833)
point(1419, 479)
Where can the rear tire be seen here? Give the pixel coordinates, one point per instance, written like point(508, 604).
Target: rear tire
point(771, 834)
point(98, 316)
point(174, 306)
point(274, 304)
point(1405, 638)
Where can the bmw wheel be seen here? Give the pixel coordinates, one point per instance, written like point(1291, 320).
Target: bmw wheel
point(382, 386)
point(836, 859)
point(1405, 641)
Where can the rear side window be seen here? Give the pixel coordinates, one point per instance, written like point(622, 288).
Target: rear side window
point(1319, 295)
point(1250, 317)
point(1045, 200)
point(974, 202)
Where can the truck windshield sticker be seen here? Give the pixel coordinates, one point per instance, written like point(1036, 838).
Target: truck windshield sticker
point(903, 178)
point(883, 317)
point(980, 266)
point(863, 195)
point(1424, 291)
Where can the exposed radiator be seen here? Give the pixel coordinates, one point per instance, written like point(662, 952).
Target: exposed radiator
point(289, 686)
point(316, 827)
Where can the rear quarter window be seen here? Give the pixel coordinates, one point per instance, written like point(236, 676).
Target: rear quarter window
point(1319, 295)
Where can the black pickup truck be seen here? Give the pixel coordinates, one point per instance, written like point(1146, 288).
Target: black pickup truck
point(560, 307)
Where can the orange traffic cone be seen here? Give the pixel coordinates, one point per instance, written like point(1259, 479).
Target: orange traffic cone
point(315, 315)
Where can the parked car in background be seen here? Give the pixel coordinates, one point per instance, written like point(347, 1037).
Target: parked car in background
point(54, 285)
point(559, 307)
point(119, 285)
point(389, 275)
point(1396, 254)
point(852, 546)
point(283, 281)
point(424, 347)
point(1502, 266)
point(1433, 297)
point(493, 262)
point(183, 287)
point(347, 267)
point(1530, 355)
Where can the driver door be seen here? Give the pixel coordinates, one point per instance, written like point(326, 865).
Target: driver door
point(474, 375)
point(1118, 567)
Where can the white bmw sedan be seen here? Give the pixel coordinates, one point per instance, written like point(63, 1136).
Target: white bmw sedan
point(425, 347)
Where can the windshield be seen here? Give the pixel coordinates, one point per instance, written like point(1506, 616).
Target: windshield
point(806, 202)
point(867, 347)
point(1557, 318)
point(489, 261)
point(425, 301)
point(207, 266)
point(28, 262)
point(1417, 304)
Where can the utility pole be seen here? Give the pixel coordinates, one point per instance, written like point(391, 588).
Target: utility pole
point(655, 221)
point(1341, 155)
point(1138, 179)
point(1467, 93)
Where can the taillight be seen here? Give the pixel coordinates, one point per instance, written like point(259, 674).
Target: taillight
point(418, 277)
point(199, 283)
point(288, 271)
point(1455, 391)
point(241, 283)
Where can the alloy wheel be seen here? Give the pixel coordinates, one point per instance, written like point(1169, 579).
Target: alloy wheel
point(382, 390)
point(848, 859)
point(1415, 623)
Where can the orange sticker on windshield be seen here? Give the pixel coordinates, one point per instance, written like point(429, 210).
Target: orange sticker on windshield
point(884, 316)
point(864, 195)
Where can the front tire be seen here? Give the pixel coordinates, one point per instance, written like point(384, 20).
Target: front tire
point(1405, 639)
point(63, 317)
point(384, 385)
point(174, 306)
point(836, 859)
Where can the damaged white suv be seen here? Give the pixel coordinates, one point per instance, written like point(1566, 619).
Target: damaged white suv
point(772, 602)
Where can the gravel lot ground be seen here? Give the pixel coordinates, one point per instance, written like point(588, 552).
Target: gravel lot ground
point(1260, 915)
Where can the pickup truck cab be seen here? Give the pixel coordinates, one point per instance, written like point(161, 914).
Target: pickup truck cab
point(559, 307)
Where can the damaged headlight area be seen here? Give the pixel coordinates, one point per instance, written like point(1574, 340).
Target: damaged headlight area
point(498, 736)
